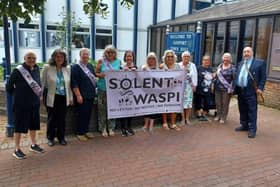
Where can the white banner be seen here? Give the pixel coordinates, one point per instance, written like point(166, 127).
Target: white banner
point(138, 93)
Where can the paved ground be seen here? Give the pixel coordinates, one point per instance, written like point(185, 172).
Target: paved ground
point(204, 154)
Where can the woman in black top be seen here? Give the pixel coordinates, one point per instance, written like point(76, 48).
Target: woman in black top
point(204, 88)
point(24, 84)
point(128, 65)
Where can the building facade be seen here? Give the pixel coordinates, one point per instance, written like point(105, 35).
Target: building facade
point(229, 27)
point(127, 29)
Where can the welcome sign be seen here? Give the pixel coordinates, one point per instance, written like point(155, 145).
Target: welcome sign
point(138, 93)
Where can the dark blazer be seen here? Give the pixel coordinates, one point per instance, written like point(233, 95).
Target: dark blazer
point(23, 95)
point(258, 70)
point(80, 80)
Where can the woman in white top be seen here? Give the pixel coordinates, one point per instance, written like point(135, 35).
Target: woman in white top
point(190, 86)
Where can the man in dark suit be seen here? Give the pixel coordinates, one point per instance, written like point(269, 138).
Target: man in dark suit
point(248, 69)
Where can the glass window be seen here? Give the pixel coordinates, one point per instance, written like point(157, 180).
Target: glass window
point(29, 39)
point(184, 28)
point(219, 46)
point(275, 51)
point(175, 29)
point(103, 38)
point(153, 39)
point(277, 24)
point(158, 44)
point(2, 45)
point(29, 36)
point(209, 38)
point(249, 33)
point(233, 39)
point(54, 37)
point(191, 27)
point(81, 38)
point(163, 41)
point(263, 37)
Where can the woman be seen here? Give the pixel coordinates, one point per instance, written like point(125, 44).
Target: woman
point(190, 86)
point(204, 88)
point(169, 63)
point(56, 81)
point(151, 64)
point(83, 83)
point(109, 62)
point(24, 85)
point(224, 87)
point(127, 65)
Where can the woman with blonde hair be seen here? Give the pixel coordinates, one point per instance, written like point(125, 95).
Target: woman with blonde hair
point(151, 64)
point(169, 63)
point(109, 62)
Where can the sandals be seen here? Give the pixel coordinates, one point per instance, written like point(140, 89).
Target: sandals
point(175, 127)
point(165, 126)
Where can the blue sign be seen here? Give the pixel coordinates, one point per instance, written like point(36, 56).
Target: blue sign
point(180, 41)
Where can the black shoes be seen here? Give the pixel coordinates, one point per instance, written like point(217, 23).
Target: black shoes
point(62, 142)
point(130, 132)
point(127, 132)
point(36, 148)
point(51, 143)
point(18, 154)
point(241, 128)
point(124, 133)
point(251, 134)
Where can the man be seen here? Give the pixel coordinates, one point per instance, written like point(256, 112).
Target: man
point(83, 84)
point(24, 84)
point(249, 68)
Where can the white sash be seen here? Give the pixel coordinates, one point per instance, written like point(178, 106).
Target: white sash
point(88, 73)
point(224, 81)
point(108, 65)
point(30, 81)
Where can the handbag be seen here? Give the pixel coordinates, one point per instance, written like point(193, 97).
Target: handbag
point(260, 98)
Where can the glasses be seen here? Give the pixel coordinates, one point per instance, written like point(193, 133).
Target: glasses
point(170, 56)
point(111, 52)
point(31, 58)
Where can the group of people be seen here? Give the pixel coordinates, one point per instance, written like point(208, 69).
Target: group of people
point(61, 85)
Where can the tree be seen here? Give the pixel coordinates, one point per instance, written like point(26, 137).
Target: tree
point(15, 9)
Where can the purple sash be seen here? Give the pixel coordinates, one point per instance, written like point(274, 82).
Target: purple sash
point(30, 81)
point(224, 81)
point(88, 73)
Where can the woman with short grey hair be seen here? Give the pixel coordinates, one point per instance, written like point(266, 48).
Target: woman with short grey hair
point(224, 86)
point(190, 86)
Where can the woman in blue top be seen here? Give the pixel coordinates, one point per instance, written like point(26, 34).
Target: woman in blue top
point(109, 62)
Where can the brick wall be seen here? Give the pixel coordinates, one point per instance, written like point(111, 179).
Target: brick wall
point(272, 94)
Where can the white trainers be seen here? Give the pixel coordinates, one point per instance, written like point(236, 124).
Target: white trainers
point(104, 133)
point(89, 135)
point(111, 132)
